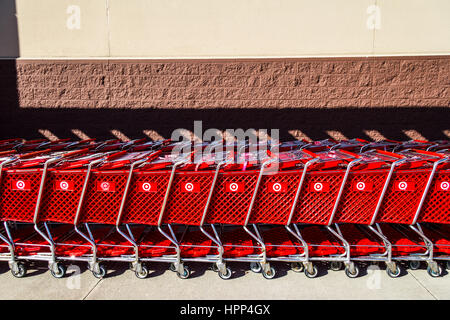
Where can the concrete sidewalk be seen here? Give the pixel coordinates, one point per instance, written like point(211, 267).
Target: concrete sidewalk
point(121, 283)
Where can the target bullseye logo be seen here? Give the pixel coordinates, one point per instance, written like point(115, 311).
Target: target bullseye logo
point(404, 186)
point(235, 187)
point(20, 185)
point(190, 187)
point(362, 186)
point(319, 187)
point(444, 186)
point(277, 187)
point(106, 186)
point(148, 187)
point(63, 185)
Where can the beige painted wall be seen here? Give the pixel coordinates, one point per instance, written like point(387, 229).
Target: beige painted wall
point(222, 28)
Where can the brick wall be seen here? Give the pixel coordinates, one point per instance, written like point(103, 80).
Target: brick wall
point(247, 93)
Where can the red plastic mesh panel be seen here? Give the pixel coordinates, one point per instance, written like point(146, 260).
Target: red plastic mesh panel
point(436, 207)
point(231, 207)
point(359, 206)
point(274, 207)
point(401, 206)
point(19, 205)
point(187, 207)
point(144, 207)
point(57, 205)
point(101, 206)
point(316, 207)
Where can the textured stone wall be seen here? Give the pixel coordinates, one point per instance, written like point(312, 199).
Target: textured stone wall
point(388, 95)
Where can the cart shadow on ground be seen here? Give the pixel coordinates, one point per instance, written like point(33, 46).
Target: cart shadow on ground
point(198, 270)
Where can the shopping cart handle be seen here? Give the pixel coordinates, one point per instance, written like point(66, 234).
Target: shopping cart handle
point(115, 155)
point(32, 154)
point(75, 153)
point(428, 153)
point(352, 154)
point(390, 154)
point(8, 152)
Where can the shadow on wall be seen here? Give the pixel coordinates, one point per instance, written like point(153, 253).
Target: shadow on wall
point(9, 41)
point(391, 123)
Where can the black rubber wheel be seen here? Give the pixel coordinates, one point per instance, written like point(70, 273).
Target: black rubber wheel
point(227, 275)
point(61, 271)
point(143, 273)
point(21, 271)
point(255, 267)
point(433, 273)
point(353, 274)
point(214, 267)
point(186, 273)
point(314, 273)
point(269, 274)
point(172, 267)
point(414, 265)
point(101, 273)
point(394, 274)
point(336, 265)
point(297, 267)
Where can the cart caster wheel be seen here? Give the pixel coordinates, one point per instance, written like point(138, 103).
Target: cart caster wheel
point(101, 273)
point(353, 274)
point(255, 267)
point(297, 267)
point(433, 273)
point(61, 272)
point(448, 265)
point(414, 265)
point(314, 272)
point(269, 274)
point(336, 265)
point(143, 273)
point(214, 267)
point(186, 273)
point(20, 272)
point(172, 267)
point(394, 274)
point(226, 275)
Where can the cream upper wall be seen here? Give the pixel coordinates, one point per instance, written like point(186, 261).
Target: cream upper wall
point(223, 28)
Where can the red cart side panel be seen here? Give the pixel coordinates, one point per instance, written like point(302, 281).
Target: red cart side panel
point(188, 196)
point(61, 196)
point(143, 204)
point(317, 197)
point(230, 207)
point(18, 194)
point(275, 198)
point(436, 207)
point(360, 197)
point(403, 196)
point(103, 197)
